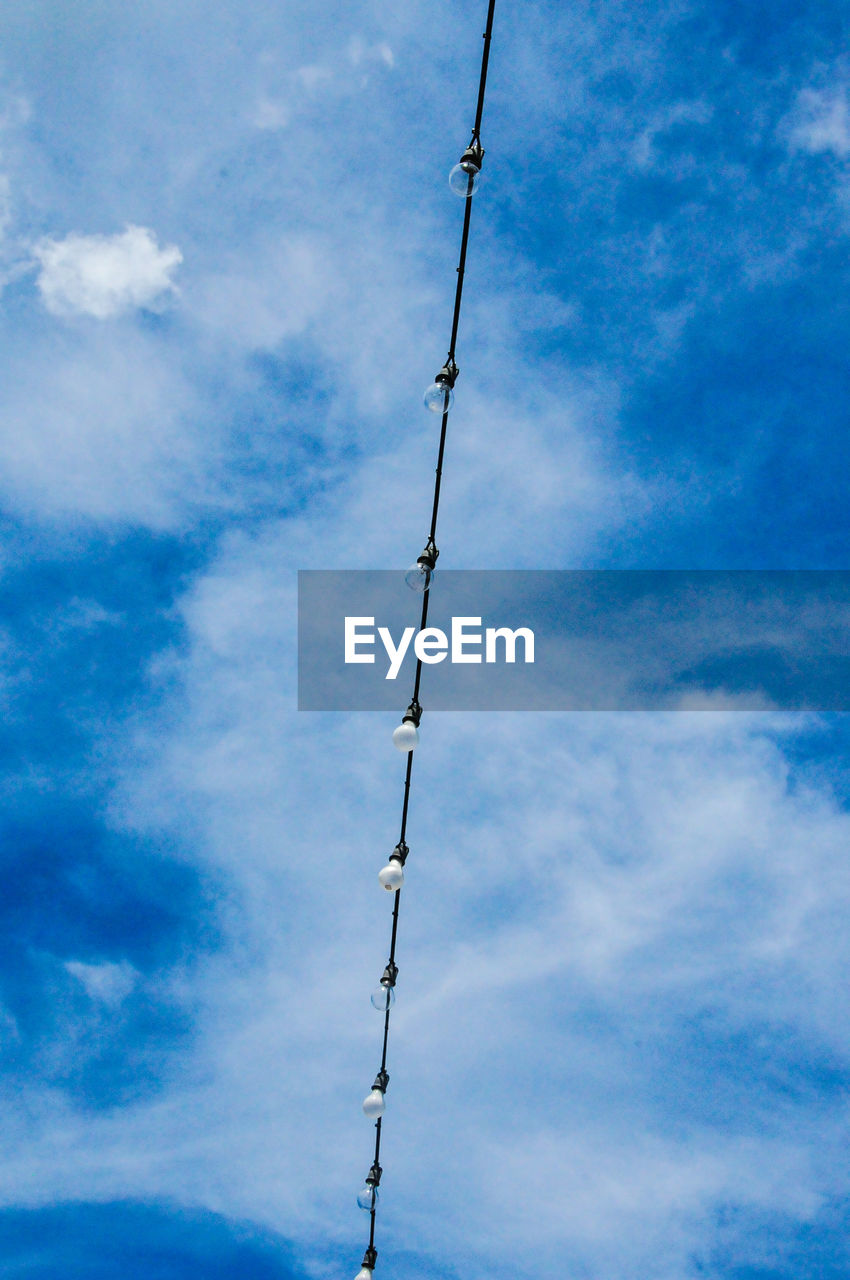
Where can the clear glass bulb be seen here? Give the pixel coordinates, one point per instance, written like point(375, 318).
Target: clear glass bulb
point(406, 736)
point(392, 878)
point(418, 577)
point(374, 1104)
point(383, 998)
point(459, 178)
point(368, 1199)
point(439, 397)
point(363, 1274)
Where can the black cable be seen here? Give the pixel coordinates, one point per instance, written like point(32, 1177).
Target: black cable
point(371, 1253)
point(482, 84)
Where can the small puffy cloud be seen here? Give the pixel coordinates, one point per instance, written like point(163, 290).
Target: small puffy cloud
point(108, 983)
point(821, 122)
point(103, 276)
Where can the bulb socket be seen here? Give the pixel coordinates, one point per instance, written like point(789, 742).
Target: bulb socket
point(448, 374)
point(399, 854)
point(373, 1177)
point(390, 974)
point(370, 1257)
point(382, 1081)
point(429, 556)
point(473, 157)
point(412, 715)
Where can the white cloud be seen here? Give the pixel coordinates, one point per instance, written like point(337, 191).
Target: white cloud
point(679, 874)
point(108, 983)
point(103, 276)
point(608, 880)
point(106, 432)
point(821, 122)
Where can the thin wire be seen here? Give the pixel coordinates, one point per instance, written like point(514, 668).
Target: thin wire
point(461, 270)
point(482, 84)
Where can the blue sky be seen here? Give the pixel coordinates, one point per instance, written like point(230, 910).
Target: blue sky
point(620, 1047)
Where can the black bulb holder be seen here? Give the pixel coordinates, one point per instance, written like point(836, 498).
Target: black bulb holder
point(412, 715)
point(428, 556)
point(382, 1081)
point(370, 1257)
point(373, 1177)
point(399, 854)
point(447, 376)
point(473, 157)
point(390, 974)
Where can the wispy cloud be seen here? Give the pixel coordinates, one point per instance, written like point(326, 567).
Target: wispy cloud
point(820, 122)
point(286, 93)
point(108, 983)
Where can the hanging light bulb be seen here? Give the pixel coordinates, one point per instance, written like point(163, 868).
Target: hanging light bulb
point(370, 1257)
point(368, 1197)
point(406, 736)
point(383, 997)
point(439, 397)
point(374, 1104)
point(465, 177)
point(418, 576)
point(391, 876)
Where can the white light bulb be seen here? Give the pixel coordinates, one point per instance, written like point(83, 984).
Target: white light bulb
point(383, 998)
point(439, 397)
point(374, 1104)
point(418, 577)
point(363, 1274)
point(392, 878)
point(459, 178)
point(368, 1198)
point(406, 736)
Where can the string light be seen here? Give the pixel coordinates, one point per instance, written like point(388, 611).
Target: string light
point(369, 1259)
point(406, 736)
point(418, 576)
point(465, 177)
point(374, 1104)
point(392, 876)
point(384, 995)
point(440, 395)
point(464, 180)
point(368, 1197)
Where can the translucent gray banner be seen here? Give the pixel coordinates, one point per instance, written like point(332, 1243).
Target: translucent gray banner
point(602, 640)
